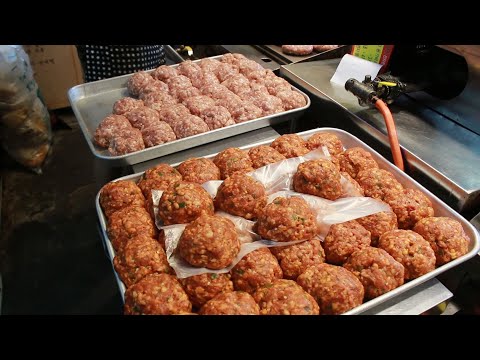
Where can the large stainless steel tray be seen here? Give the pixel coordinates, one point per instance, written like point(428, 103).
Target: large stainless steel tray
point(91, 102)
point(348, 140)
point(276, 52)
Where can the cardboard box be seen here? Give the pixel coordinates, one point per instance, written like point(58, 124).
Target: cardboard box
point(56, 69)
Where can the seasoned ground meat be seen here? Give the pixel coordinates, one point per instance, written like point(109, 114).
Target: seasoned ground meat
point(349, 186)
point(141, 256)
point(142, 118)
point(377, 270)
point(335, 289)
point(163, 172)
point(268, 103)
point(230, 101)
point(198, 104)
point(290, 145)
point(237, 84)
point(378, 224)
point(188, 69)
point(291, 99)
point(204, 287)
point(127, 223)
point(126, 104)
point(409, 249)
point(318, 177)
point(164, 73)
point(275, 84)
point(231, 303)
point(209, 241)
point(322, 48)
point(126, 141)
point(158, 100)
point(178, 82)
point(117, 195)
point(108, 127)
point(241, 195)
point(147, 185)
point(153, 87)
point(232, 160)
point(256, 269)
point(137, 82)
point(287, 219)
point(297, 49)
point(256, 75)
point(173, 114)
point(224, 71)
point(188, 126)
point(215, 91)
point(256, 89)
point(209, 65)
point(285, 297)
point(295, 259)
point(344, 239)
point(204, 79)
point(199, 170)
point(410, 207)
point(157, 294)
point(331, 141)
point(378, 183)
point(355, 159)
point(232, 58)
point(446, 237)
point(217, 117)
point(246, 66)
point(158, 134)
point(185, 93)
point(183, 202)
point(245, 111)
point(263, 155)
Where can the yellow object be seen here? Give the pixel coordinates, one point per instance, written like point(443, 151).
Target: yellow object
point(387, 83)
point(371, 53)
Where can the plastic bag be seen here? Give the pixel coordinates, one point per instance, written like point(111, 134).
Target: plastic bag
point(24, 120)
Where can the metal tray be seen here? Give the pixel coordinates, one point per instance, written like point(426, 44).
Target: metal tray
point(276, 52)
point(91, 102)
point(348, 140)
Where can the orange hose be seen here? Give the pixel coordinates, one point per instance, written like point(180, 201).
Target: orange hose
point(392, 133)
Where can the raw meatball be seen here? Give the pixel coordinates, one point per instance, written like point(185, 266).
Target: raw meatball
point(126, 141)
point(318, 177)
point(209, 65)
point(199, 170)
point(204, 79)
point(230, 101)
point(355, 159)
point(344, 239)
point(256, 75)
point(137, 82)
point(198, 104)
point(157, 101)
point(237, 84)
point(215, 91)
point(183, 202)
point(188, 69)
point(173, 114)
point(245, 111)
point(409, 249)
point(224, 71)
point(331, 141)
point(209, 241)
point(349, 186)
point(246, 66)
point(268, 103)
point(185, 93)
point(232, 58)
point(256, 269)
point(117, 195)
point(322, 48)
point(446, 237)
point(295, 259)
point(275, 84)
point(291, 99)
point(142, 118)
point(153, 87)
point(263, 155)
point(377, 270)
point(190, 125)
point(141, 256)
point(241, 195)
point(232, 160)
point(290, 145)
point(204, 287)
point(378, 183)
point(285, 297)
point(335, 289)
point(147, 185)
point(410, 207)
point(297, 49)
point(108, 127)
point(164, 73)
point(178, 82)
point(163, 172)
point(158, 134)
point(287, 219)
point(127, 223)
point(378, 224)
point(156, 294)
point(217, 117)
point(126, 104)
point(231, 303)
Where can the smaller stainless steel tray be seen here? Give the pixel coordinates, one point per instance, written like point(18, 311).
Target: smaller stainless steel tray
point(349, 141)
point(276, 52)
point(91, 102)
